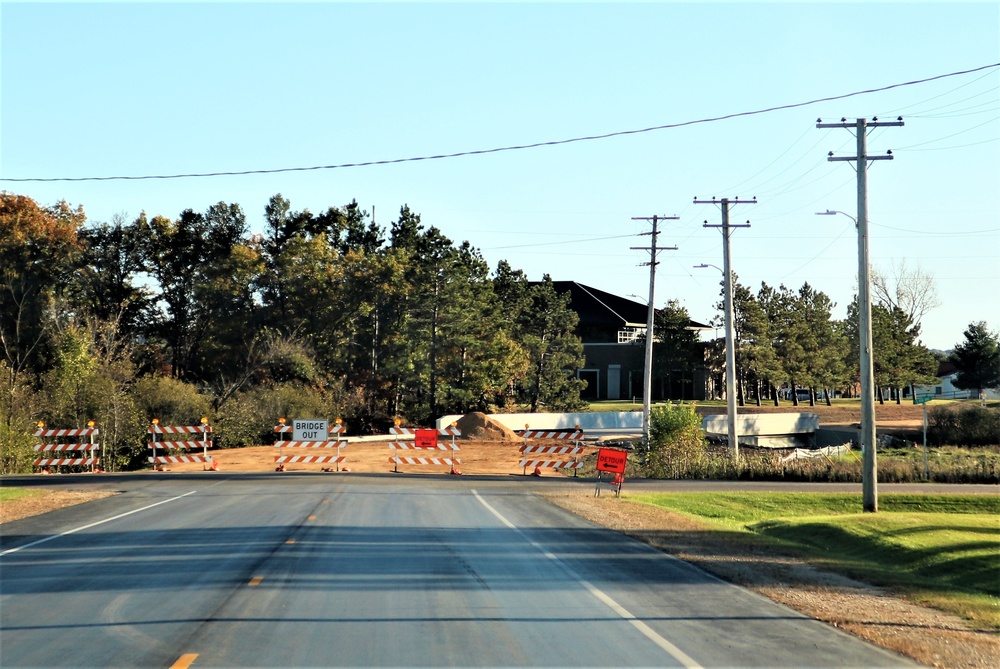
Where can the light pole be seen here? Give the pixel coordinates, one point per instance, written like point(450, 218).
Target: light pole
point(869, 465)
point(734, 444)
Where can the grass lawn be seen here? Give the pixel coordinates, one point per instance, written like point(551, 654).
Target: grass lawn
point(939, 550)
point(10, 494)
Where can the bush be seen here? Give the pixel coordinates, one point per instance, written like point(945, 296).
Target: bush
point(173, 402)
point(16, 453)
point(677, 446)
point(248, 419)
point(17, 422)
point(968, 425)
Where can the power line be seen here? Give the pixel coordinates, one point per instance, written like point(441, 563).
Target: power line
point(519, 147)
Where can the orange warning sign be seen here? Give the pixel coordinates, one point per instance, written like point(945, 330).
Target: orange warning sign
point(611, 460)
point(425, 439)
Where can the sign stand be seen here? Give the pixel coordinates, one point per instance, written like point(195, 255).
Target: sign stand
point(611, 460)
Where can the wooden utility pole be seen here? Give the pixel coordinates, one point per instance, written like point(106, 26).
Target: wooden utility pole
point(869, 466)
point(647, 371)
point(734, 444)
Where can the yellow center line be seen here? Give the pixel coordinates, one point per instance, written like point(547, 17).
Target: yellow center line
point(256, 580)
point(184, 661)
point(290, 541)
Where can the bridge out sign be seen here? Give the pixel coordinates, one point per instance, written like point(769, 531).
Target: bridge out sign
point(310, 429)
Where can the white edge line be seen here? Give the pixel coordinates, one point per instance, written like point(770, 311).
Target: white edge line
point(100, 522)
point(606, 599)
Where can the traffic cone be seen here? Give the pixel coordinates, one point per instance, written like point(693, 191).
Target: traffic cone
point(455, 472)
point(537, 472)
point(215, 466)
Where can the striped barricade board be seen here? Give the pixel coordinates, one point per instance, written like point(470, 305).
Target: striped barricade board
point(179, 444)
point(74, 448)
point(54, 462)
point(282, 441)
point(409, 445)
point(282, 459)
point(553, 464)
point(568, 461)
point(67, 447)
point(568, 435)
point(424, 440)
point(395, 459)
point(166, 459)
point(562, 457)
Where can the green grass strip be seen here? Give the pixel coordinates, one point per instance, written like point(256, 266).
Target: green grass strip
point(942, 550)
point(11, 494)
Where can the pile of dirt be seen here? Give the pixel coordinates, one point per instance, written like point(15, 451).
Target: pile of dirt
point(479, 426)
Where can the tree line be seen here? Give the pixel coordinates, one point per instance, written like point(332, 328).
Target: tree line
point(330, 314)
point(787, 341)
point(327, 313)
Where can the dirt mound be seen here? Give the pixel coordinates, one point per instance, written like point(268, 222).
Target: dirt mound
point(479, 426)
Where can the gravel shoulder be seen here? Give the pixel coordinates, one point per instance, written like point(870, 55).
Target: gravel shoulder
point(926, 635)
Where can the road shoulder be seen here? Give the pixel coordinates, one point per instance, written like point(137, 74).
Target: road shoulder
point(928, 636)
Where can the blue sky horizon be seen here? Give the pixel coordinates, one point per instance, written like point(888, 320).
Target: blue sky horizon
point(664, 91)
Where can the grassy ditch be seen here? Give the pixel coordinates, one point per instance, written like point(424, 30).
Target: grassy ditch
point(937, 550)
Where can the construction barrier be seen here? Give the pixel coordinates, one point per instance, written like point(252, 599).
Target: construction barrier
point(87, 447)
point(204, 443)
point(424, 440)
point(568, 455)
point(282, 440)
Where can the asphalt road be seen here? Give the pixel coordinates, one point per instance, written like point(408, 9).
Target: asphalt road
point(372, 571)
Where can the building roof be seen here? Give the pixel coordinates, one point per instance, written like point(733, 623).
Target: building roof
point(598, 308)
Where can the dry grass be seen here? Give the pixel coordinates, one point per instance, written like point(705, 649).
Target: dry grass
point(45, 501)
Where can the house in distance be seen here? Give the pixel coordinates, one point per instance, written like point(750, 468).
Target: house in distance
point(613, 332)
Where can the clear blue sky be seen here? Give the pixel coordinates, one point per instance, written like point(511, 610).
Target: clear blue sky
point(133, 89)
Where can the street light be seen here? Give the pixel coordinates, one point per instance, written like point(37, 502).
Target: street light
point(734, 444)
point(869, 466)
point(833, 212)
point(704, 265)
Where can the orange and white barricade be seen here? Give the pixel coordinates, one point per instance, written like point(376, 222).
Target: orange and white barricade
point(81, 447)
point(538, 456)
point(282, 440)
point(423, 440)
point(199, 439)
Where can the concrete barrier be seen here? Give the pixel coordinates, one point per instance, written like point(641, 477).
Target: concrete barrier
point(765, 430)
point(595, 424)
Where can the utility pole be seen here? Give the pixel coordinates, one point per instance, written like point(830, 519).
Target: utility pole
point(647, 370)
point(869, 467)
point(734, 444)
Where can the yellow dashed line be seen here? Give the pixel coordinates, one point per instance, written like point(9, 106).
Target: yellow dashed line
point(312, 517)
point(256, 580)
point(290, 541)
point(184, 661)
point(326, 501)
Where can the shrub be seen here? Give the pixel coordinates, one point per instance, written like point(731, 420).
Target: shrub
point(16, 453)
point(17, 422)
point(173, 402)
point(968, 425)
point(677, 446)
